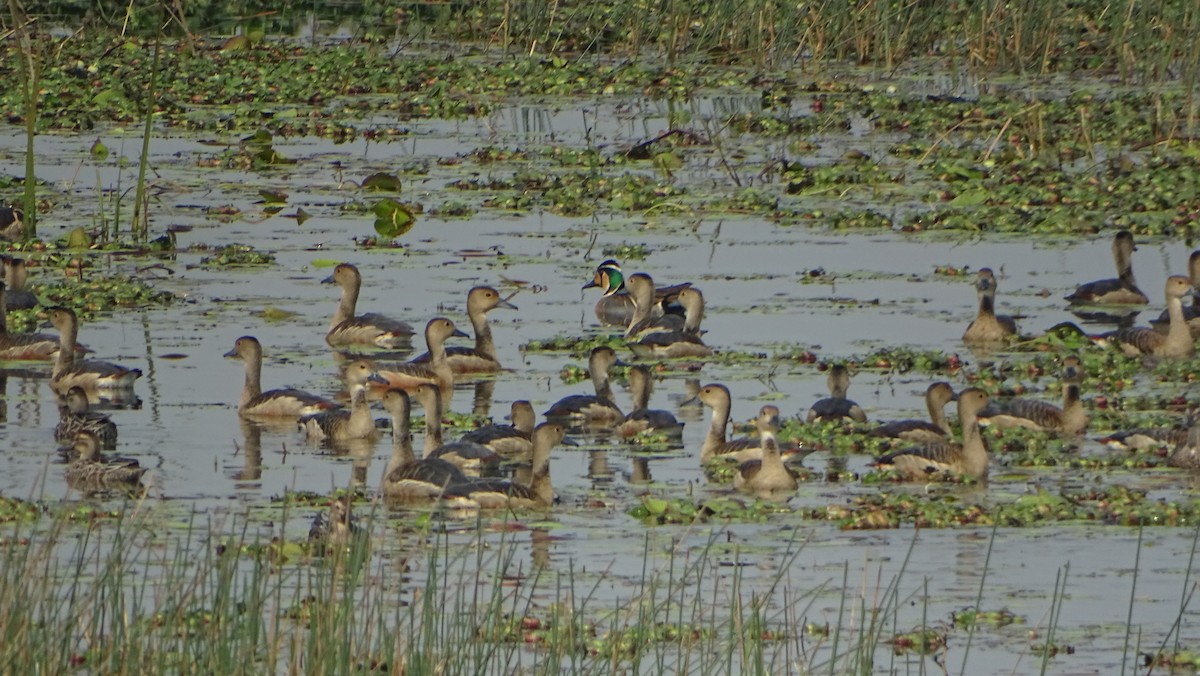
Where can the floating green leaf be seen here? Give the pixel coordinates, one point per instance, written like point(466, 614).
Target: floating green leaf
point(382, 182)
point(99, 151)
point(392, 218)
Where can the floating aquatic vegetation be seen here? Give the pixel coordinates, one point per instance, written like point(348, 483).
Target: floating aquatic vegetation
point(237, 256)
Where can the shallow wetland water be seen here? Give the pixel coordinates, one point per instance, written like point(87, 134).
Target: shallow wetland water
point(769, 289)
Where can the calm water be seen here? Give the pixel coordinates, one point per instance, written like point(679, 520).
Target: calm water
point(753, 273)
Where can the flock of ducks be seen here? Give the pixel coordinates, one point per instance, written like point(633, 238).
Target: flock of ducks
point(657, 322)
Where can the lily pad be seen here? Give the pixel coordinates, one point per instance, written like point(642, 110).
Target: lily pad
point(382, 182)
point(393, 219)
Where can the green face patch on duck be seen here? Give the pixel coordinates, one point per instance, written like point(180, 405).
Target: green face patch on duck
point(611, 277)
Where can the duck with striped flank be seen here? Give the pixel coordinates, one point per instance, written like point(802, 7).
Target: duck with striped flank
point(515, 440)
point(346, 424)
point(646, 317)
point(23, 346)
point(944, 459)
point(285, 402)
point(642, 418)
point(767, 475)
point(15, 276)
point(406, 477)
point(347, 328)
point(88, 374)
point(836, 406)
point(1176, 343)
point(410, 375)
point(937, 428)
point(1033, 414)
point(595, 408)
point(90, 472)
point(482, 358)
point(467, 455)
point(988, 327)
point(76, 417)
point(716, 397)
point(503, 494)
point(335, 527)
point(684, 342)
point(1123, 290)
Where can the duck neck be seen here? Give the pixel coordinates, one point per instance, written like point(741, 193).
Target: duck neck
point(716, 430)
point(540, 484)
point(600, 380)
point(402, 449)
point(441, 369)
point(693, 315)
point(66, 347)
point(18, 276)
point(975, 455)
point(346, 306)
point(772, 461)
point(642, 296)
point(987, 304)
point(484, 344)
point(1124, 262)
point(253, 386)
point(360, 412)
point(523, 420)
point(433, 424)
point(937, 415)
point(1074, 417)
point(1178, 332)
point(641, 392)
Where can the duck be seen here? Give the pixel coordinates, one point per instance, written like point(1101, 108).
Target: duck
point(406, 477)
point(285, 403)
point(615, 307)
point(767, 474)
point(595, 408)
point(1145, 438)
point(12, 224)
point(716, 397)
point(1033, 414)
point(74, 417)
point(90, 473)
point(646, 320)
point(1120, 291)
point(503, 494)
point(1187, 452)
point(336, 527)
point(1175, 343)
point(23, 346)
point(836, 406)
point(409, 375)
point(466, 455)
point(937, 428)
point(346, 328)
point(481, 358)
point(988, 327)
point(642, 417)
point(515, 440)
point(15, 276)
point(1191, 312)
point(88, 374)
point(938, 460)
point(346, 424)
point(684, 342)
